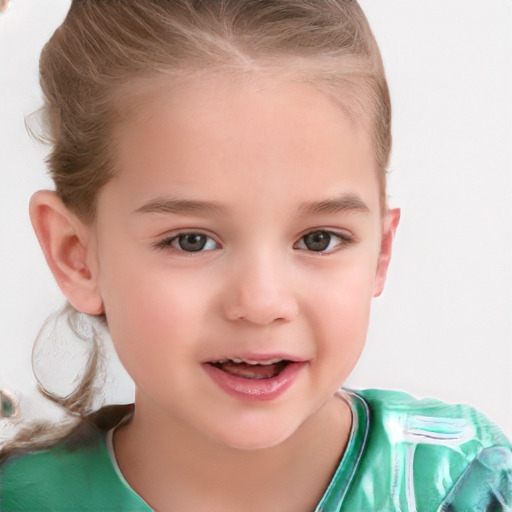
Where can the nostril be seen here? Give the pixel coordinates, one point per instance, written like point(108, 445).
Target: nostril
point(263, 313)
point(261, 293)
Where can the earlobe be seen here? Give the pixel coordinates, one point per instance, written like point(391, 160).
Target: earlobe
point(65, 241)
point(390, 225)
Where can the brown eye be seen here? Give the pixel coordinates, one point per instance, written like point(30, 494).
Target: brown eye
point(189, 242)
point(192, 242)
point(323, 241)
point(317, 241)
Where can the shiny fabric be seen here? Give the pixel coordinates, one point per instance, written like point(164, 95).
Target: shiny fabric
point(420, 456)
point(403, 455)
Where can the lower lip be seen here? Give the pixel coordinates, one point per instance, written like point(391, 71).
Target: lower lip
point(255, 389)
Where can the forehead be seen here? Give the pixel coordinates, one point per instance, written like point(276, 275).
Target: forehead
point(258, 135)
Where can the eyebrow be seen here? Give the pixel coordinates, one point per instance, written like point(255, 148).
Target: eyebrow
point(338, 204)
point(169, 205)
point(180, 206)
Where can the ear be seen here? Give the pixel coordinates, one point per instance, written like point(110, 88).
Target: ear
point(390, 223)
point(65, 241)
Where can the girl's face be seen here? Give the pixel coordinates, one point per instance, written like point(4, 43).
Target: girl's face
point(237, 252)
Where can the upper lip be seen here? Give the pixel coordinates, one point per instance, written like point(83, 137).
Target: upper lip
point(257, 358)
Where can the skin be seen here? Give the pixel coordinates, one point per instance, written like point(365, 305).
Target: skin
point(254, 168)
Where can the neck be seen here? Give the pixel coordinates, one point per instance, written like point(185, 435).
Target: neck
point(174, 467)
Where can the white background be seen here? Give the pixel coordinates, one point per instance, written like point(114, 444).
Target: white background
point(443, 327)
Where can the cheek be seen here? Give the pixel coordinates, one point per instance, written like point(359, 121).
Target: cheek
point(151, 308)
point(151, 329)
point(343, 287)
point(341, 308)
point(343, 321)
point(341, 332)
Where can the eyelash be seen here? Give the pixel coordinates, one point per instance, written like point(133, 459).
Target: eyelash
point(167, 243)
point(343, 240)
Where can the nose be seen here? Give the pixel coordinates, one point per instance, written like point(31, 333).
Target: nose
point(260, 292)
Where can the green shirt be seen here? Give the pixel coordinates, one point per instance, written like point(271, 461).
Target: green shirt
point(403, 455)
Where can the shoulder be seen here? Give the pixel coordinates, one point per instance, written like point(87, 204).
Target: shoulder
point(429, 455)
point(78, 476)
point(57, 478)
point(430, 420)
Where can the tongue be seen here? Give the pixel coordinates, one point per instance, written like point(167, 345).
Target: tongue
point(250, 371)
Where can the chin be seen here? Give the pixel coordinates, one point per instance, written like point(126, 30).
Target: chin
point(257, 436)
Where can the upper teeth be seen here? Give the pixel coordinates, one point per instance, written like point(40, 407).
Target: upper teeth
point(251, 362)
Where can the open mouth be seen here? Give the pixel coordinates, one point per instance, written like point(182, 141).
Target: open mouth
point(254, 378)
point(252, 369)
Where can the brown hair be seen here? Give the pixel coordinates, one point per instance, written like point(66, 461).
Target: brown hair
point(103, 48)
point(93, 65)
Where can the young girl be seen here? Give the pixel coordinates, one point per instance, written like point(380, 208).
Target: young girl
point(220, 205)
